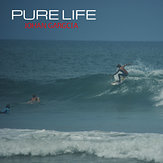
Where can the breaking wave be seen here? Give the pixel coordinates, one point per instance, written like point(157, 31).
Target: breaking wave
point(142, 146)
point(142, 83)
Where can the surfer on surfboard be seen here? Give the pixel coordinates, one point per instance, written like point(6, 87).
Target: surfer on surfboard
point(33, 99)
point(6, 109)
point(122, 72)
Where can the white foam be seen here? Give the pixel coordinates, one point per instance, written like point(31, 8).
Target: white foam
point(156, 72)
point(159, 99)
point(102, 144)
point(141, 71)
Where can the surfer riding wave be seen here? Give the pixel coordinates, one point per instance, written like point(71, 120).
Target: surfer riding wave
point(122, 72)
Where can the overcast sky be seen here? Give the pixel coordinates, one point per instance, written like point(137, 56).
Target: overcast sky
point(117, 20)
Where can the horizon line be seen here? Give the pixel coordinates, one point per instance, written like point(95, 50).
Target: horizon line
point(20, 39)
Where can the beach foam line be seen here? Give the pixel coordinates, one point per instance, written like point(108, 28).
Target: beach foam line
point(141, 146)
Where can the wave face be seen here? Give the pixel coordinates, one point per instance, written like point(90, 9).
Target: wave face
point(142, 85)
point(145, 147)
point(68, 70)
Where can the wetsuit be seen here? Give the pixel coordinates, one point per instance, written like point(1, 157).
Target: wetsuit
point(122, 73)
point(5, 110)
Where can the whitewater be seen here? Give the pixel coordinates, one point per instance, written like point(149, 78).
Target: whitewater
point(101, 144)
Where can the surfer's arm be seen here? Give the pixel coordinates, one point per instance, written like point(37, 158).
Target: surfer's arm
point(126, 64)
point(115, 73)
point(38, 99)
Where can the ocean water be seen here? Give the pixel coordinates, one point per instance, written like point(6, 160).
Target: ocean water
point(81, 116)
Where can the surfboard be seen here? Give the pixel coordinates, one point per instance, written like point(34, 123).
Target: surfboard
point(116, 78)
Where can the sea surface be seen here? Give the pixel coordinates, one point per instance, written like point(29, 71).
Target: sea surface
point(81, 118)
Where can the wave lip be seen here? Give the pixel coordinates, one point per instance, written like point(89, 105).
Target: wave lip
point(102, 144)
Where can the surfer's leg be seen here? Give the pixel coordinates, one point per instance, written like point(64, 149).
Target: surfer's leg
point(119, 76)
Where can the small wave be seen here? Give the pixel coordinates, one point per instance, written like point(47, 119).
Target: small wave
point(140, 146)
